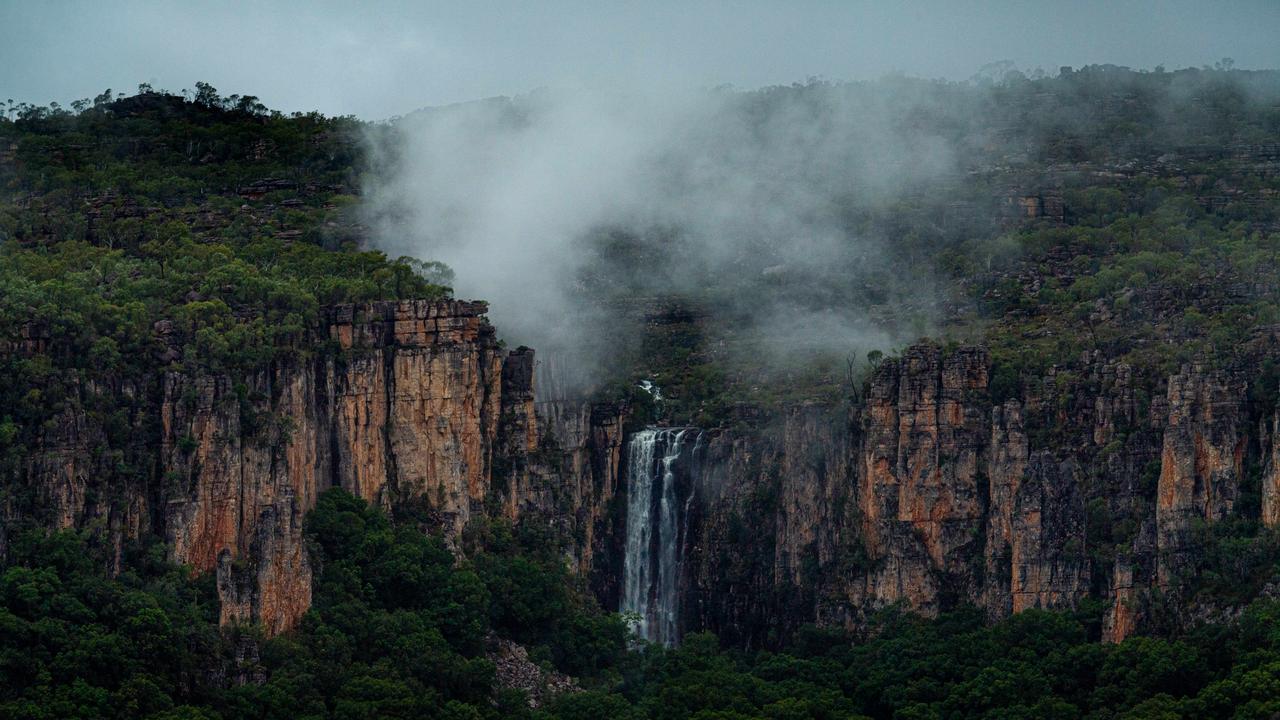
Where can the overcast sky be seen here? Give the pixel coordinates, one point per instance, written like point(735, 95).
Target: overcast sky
point(377, 59)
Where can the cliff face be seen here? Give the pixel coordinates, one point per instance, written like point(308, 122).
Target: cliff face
point(773, 531)
point(405, 413)
point(926, 493)
point(417, 406)
point(929, 494)
point(1271, 474)
point(557, 463)
point(1202, 461)
point(921, 490)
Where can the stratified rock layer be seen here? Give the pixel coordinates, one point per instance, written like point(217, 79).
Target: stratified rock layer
point(416, 403)
point(926, 492)
point(929, 494)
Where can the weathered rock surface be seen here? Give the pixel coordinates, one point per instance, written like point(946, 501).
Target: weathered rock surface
point(1202, 461)
point(1271, 476)
point(417, 404)
point(513, 670)
point(927, 494)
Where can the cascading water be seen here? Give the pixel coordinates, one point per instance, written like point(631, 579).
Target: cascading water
point(660, 462)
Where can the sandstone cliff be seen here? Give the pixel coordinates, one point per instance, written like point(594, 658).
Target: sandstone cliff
point(408, 404)
point(925, 493)
point(929, 494)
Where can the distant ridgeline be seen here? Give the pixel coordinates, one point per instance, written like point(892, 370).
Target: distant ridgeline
point(250, 467)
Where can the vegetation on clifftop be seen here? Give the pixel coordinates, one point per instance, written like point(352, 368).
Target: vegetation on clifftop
point(1105, 212)
point(137, 226)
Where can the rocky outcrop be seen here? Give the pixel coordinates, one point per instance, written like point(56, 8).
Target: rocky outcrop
point(1047, 564)
point(1006, 470)
point(1202, 461)
point(773, 509)
point(415, 404)
point(271, 583)
point(928, 495)
point(404, 412)
point(1122, 618)
point(557, 461)
point(922, 491)
point(1271, 476)
point(513, 670)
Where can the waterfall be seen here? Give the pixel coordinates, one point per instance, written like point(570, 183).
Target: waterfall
point(660, 463)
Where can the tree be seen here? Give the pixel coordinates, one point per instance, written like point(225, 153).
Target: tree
point(207, 95)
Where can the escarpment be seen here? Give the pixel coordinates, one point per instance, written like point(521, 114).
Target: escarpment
point(410, 405)
point(932, 490)
point(929, 494)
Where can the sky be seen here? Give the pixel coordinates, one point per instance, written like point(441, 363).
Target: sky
point(381, 59)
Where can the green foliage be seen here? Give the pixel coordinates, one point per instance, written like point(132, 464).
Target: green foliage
point(79, 644)
point(147, 233)
point(151, 233)
point(398, 629)
point(1165, 251)
point(1155, 289)
point(1034, 665)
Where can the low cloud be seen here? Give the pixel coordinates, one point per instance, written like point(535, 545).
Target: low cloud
point(558, 206)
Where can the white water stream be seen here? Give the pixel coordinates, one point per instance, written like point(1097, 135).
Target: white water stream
point(655, 515)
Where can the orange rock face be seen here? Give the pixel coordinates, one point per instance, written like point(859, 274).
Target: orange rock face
point(407, 411)
point(1121, 621)
point(412, 403)
point(931, 496)
point(923, 493)
point(920, 493)
point(1201, 462)
point(412, 410)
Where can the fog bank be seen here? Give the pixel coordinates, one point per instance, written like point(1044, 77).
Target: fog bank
point(557, 205)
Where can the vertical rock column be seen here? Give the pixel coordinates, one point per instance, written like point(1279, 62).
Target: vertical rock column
point(1006, 469)
point(1271, 477)
point(921, 491)
point(417, 401)
point(1201, 461)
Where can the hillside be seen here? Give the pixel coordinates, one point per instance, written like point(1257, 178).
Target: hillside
point(251, 466)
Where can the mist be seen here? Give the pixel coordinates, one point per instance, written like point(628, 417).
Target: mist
point(801, 222)
point(563, 207)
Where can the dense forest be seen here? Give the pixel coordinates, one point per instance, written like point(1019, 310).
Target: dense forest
point(398, 630)
point(1109, 213)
